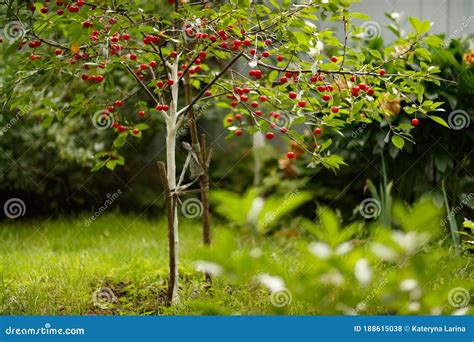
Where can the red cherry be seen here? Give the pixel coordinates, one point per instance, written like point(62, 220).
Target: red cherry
point(73, 9)
point(317, 130)
point(283, 80)
point(335, 109)
point(143, 66)
point(326, 97)
point(382, 72)
point(370, 91)
point(265, 54)
point(133, 57)
point(270, 135)
point(165, 108)
point(160, 84)
point(173, 54)
point(290, 155)
point(415, 122)
point(334, 59)
point(321, 78)
point(353, 78)
point(254, 104)
point(247, 42)
point(159, 107)
point(208, 93)
point(322, 88)
point(234, 104)
point(85, 77)
point(202, 54)
point(44, 10)
point(170, 82)
point(121, 129)
point(301, 104)
point(268, 42)
point(238, 116)
point(258, 112)
point(238, 132)
point(292, 95)
point(141, 113)
point(153, 64)
point(135, 131)
point(244, 98)
point(60, 12)
point(253, 52)
point(125, 36)
point(230, 120)
point(362, 86)
point(283, 130)
point(279, 58)
point(212, 38)
point(87, 24)
point(263, 98)
point(57, 52)
point(313, 78)
point(118, 103)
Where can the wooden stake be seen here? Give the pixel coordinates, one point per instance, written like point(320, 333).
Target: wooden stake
point(173, 264)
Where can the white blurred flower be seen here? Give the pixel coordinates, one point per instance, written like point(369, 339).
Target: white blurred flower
point(410, 241)
point(320, 249)
point(408, 285)
point(273, 283)
point(414, 306)
point(461, 312)
point(344, 248)
point(333, 277)
point(208, 267)
point(256, 253)
point(363, 272)
point(383, 252)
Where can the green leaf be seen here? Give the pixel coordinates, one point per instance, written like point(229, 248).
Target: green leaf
point(398, 141)
point(121, 139)
point(438, 120)
point(111, 164)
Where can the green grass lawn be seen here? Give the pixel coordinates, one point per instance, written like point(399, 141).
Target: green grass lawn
point(117, 265)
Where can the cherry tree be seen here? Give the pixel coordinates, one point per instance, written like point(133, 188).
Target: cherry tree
point(268, 65)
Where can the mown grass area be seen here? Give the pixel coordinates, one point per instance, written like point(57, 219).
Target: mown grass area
point(117, 265)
